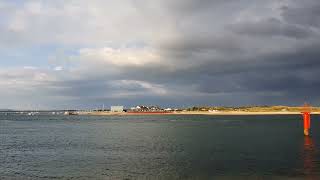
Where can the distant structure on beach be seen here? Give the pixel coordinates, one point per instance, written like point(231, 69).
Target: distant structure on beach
point(149, 109)
point(116, 108)
point(71, 112)
point(142, 108)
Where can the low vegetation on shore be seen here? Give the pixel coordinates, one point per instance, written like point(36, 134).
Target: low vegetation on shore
point(252, 109)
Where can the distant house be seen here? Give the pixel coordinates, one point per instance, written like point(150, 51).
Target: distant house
point(142, 108)
point(116, 108)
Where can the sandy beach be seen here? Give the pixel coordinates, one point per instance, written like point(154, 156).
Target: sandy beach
point(191, 113)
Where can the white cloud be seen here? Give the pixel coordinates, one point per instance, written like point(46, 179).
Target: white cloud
point(79, 22)
point(30, 67)
point(58, 68)
point(120, 57)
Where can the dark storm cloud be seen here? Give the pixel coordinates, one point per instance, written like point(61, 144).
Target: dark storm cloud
point(302, 65)
point(287, 74)
point(305, 13)
point(201, 43)
point(272, 27)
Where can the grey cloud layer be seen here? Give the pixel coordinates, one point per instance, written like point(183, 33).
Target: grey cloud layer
point(186, 52)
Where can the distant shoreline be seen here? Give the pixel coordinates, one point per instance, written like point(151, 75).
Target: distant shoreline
point(227, 113)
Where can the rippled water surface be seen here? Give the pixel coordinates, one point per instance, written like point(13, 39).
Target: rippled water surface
point(157, 147)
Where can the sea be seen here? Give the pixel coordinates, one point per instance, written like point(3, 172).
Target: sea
point(158, 147)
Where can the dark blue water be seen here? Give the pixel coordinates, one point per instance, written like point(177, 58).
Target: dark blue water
point(158, 147)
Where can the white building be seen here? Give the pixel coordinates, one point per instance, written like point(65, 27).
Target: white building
point(116, 108)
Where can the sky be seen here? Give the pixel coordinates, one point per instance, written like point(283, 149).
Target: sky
point(83, 54)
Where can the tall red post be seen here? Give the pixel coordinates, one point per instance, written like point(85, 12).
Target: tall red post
point(306, 123)
point(306, 119)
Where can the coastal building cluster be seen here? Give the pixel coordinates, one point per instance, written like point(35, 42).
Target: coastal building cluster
point(138, 109)
point(143, 108)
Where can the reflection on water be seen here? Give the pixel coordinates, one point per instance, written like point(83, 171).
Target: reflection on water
point(309, 157)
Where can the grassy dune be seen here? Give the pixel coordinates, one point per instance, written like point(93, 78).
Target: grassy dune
point(254, 109)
